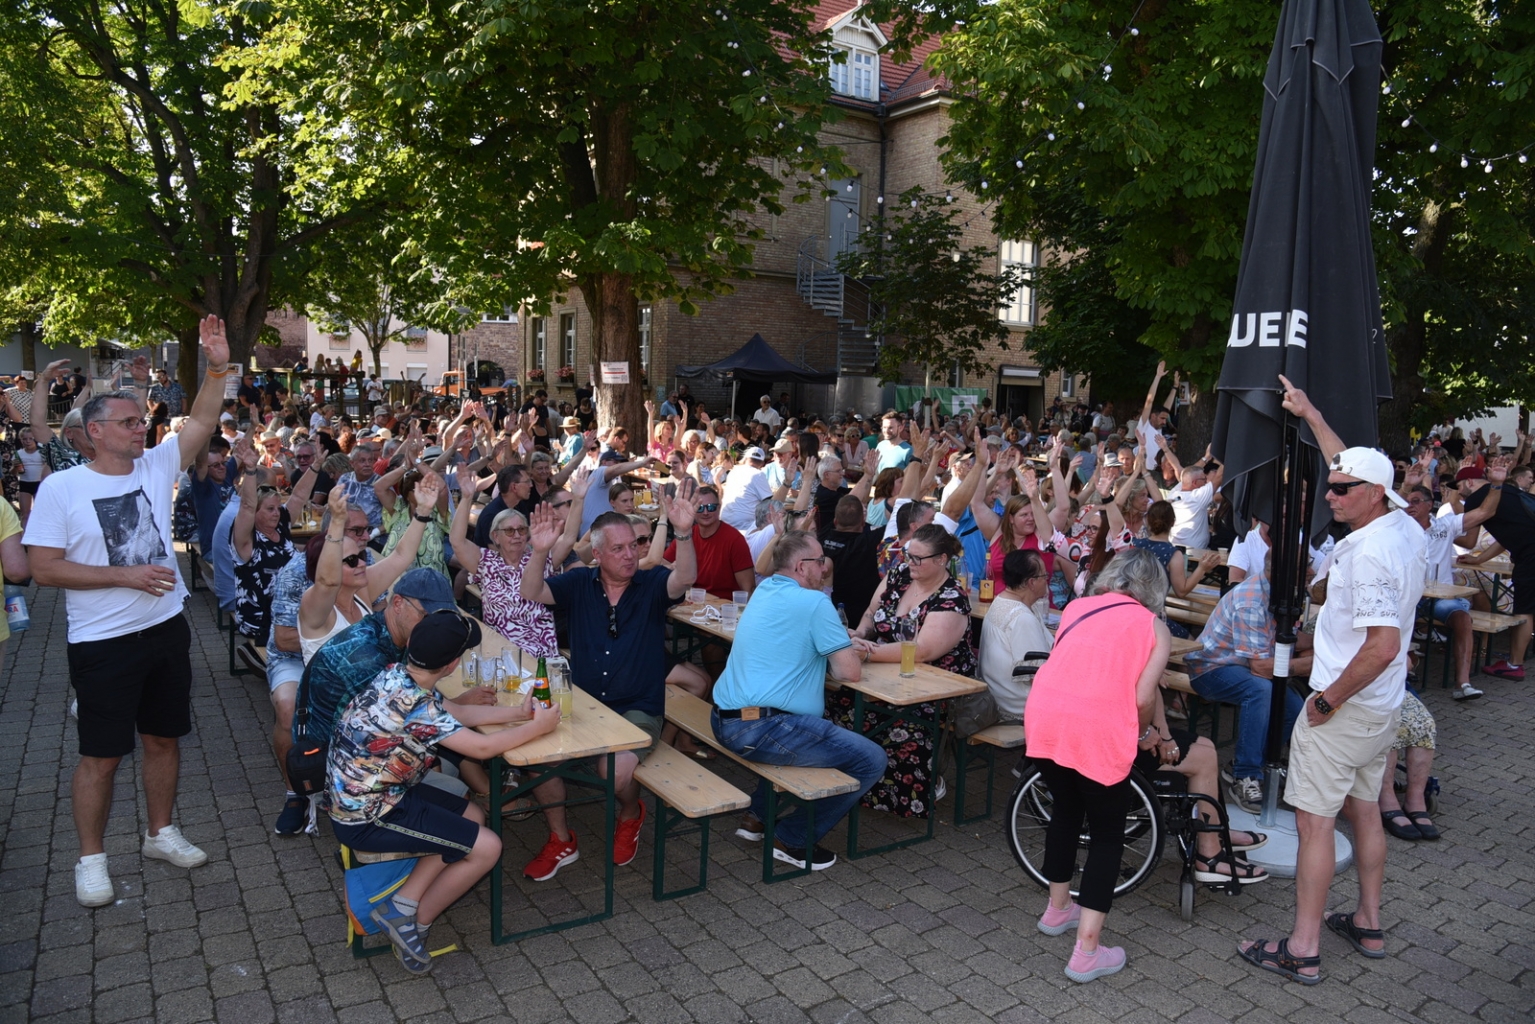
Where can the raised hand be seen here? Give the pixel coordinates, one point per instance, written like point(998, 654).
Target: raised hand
point(59, 367)
point(335, 504)
point(427, 491)
point(581, 482)
point(1030, 480)
point(544, 527)
point(467, 482)
point(245, 455)
point(871, 462)
point(215, 343)
point(1161, 368)
point(139, 369)
point(650, 407)
point(1497, 469)
point(1295, 400)
point(682, 509)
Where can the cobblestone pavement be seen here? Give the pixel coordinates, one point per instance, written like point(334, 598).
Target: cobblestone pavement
point(943, 931)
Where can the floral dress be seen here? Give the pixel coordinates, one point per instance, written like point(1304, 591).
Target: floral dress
point(906, 789)
point(528, 624)
point(254, 578)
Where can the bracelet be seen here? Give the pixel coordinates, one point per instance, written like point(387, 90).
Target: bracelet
point(333, 540)
point(211, 372)
point(1147, 734)
point(422, 519)
point(683, 536)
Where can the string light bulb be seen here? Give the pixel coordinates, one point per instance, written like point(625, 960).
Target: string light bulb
point(1081, 105)
point(1524, 158)
point(1464, 162)
point(1050, 136)
point(1018, 164)
point(1135, 31)
point(1433, 147)
point(1406, 122)
point(1488, 167)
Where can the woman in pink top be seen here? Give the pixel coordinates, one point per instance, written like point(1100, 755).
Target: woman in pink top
point(1088, 712)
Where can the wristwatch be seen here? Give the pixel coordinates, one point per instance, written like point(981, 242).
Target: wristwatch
point(1323, 708)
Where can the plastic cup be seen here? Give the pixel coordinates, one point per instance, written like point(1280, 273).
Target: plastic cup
point(697, 595)
point(908, 658)
point(740, 597)
point(730, 614)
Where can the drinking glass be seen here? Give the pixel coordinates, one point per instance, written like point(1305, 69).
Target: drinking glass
point(471, 669)
point(730, 614)
point(697, 595)
point(740, 597)
point(908, 648)
point(511, 671)
point(559, 686)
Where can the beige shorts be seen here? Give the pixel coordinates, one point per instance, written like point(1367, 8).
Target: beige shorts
point(1343, 757)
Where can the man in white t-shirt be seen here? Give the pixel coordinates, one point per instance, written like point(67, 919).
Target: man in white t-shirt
point(102, 532)
point(1358, 678)
point(1440, 534)
point(767, 415)
point(1148, 429)
point(747, 485)
point(1191, 501)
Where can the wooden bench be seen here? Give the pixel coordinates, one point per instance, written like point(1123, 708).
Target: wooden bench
point(691, 715)
point(1190, 610)
point(1488, 625)
point(685, 791)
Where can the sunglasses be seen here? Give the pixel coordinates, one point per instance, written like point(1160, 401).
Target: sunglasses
point(712, 506)
point(1342, 489)
point(642, 540)
point(352, 561)
point(613, 620)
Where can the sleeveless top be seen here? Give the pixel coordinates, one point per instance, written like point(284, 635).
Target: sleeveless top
point(308, 647)
point(253, 582)
point(1081, 710)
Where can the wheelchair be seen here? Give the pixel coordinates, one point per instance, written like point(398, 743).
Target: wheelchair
point(1159, 807)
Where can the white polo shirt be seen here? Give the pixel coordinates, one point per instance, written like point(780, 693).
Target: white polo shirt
point(1375, 579)
point(1191, 515)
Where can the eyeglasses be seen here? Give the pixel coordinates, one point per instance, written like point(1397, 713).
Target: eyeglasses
point(1417, 501)
point(353, 561)
point(712, 506)
point(613, 620)
point(360, 532)
point(916, 559)
point(560, 504)
point(818, 560)
point(1342, 489)
point(128, 422)
point(515, 531)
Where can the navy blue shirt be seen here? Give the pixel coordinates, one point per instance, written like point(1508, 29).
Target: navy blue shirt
point(626, 672)
point(343, 668)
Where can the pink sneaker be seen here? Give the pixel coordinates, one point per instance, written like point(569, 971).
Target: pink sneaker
point(1101, 962)
point(1503, 670)
point(1056, 922)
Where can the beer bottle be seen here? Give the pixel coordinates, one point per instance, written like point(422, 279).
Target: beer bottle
point(541, 692)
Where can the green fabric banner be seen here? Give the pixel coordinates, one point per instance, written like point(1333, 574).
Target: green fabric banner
point(950, 401)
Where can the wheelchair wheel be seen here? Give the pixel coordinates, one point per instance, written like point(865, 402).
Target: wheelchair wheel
point(1186, 895)
point(1029, 816)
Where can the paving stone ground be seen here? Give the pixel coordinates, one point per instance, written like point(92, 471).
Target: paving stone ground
point(943, 931)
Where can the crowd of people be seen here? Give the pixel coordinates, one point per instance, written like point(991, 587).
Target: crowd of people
point(848, 536)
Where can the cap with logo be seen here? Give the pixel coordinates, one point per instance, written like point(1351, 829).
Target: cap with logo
point(1370, 465)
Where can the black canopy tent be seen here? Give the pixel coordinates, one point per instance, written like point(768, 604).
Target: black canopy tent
point(756, 361)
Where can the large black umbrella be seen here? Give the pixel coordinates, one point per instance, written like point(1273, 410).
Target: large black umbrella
point(1307, 302)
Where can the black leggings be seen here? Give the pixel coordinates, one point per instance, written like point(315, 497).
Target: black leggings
point(1075, 797)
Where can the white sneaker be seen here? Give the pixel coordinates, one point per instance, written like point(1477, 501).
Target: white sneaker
point(940, 790)
point(74, 708)
point(93, 883)
point(1465, 691)
point(171, 845)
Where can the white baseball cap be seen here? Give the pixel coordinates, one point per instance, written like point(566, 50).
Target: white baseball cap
point(1370, 465)
point(756, 454)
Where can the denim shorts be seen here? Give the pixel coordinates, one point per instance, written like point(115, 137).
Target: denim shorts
point(1444, 607)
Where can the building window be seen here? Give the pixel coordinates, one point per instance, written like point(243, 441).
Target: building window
point(415, 338)
point(1068, 386)
point(540, 344)
point(645, 338)
point(1020, 310)
point(856, 74)
point(568, 339)
point(956, 376)
point(508, 315)
point(340, 338)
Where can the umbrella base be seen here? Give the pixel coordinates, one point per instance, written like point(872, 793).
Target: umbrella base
point(1279, 854)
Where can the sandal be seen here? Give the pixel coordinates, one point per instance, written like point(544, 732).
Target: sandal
point(1282, 962)
point(1245, 873)
point(1423, 823)
point(1258, 839)
point(1344, 925)
point(1409, 831)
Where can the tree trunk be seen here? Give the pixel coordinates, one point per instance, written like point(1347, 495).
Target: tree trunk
point(1408, 342)
point(615, 316)
point(188, 356)
point(1197, 424)
point(27, 329)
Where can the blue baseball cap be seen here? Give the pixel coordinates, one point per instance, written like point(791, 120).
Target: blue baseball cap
point(428, 586)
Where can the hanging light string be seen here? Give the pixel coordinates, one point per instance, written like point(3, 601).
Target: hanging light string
point(1435, 141)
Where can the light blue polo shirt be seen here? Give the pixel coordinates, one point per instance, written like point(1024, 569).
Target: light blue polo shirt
point(779, 656)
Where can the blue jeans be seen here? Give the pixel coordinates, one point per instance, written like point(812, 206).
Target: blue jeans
point(1233, 684)
point(803, 741)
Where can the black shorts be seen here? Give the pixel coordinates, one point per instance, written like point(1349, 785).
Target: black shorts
point(28, 487)
point(427, 820)
point(135, 683)
point(1523, 583)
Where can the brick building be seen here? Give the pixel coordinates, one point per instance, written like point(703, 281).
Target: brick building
point(894, 115)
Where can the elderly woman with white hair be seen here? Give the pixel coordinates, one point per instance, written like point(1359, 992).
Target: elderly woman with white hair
point(498, 570)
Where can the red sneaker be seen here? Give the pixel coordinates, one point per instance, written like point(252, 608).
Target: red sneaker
point(626, 839)
point(1503, 670)
point(556, 854)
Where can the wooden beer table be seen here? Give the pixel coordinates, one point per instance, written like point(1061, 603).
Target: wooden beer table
point(593, 731)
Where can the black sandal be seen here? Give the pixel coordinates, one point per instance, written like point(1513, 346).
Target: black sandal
point(1409, 831)
point(1282, 962)
point(1244, 872)
point(1423, 823)
point(1344, 925)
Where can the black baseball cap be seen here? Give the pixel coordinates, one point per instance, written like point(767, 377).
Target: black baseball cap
point(441, 638)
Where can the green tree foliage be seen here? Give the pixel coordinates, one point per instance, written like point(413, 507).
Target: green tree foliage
point(937, 302)
point(142, 192)
point(1136, 128)
point(625, 148)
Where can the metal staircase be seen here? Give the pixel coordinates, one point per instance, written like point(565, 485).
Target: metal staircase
point(843, 299)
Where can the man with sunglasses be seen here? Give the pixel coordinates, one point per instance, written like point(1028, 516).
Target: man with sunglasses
point(617, 648)
point(724, 560)
point(1358, 679)
point(102, 532)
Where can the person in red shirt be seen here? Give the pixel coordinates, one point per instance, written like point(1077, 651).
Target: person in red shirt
point(724, 560)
